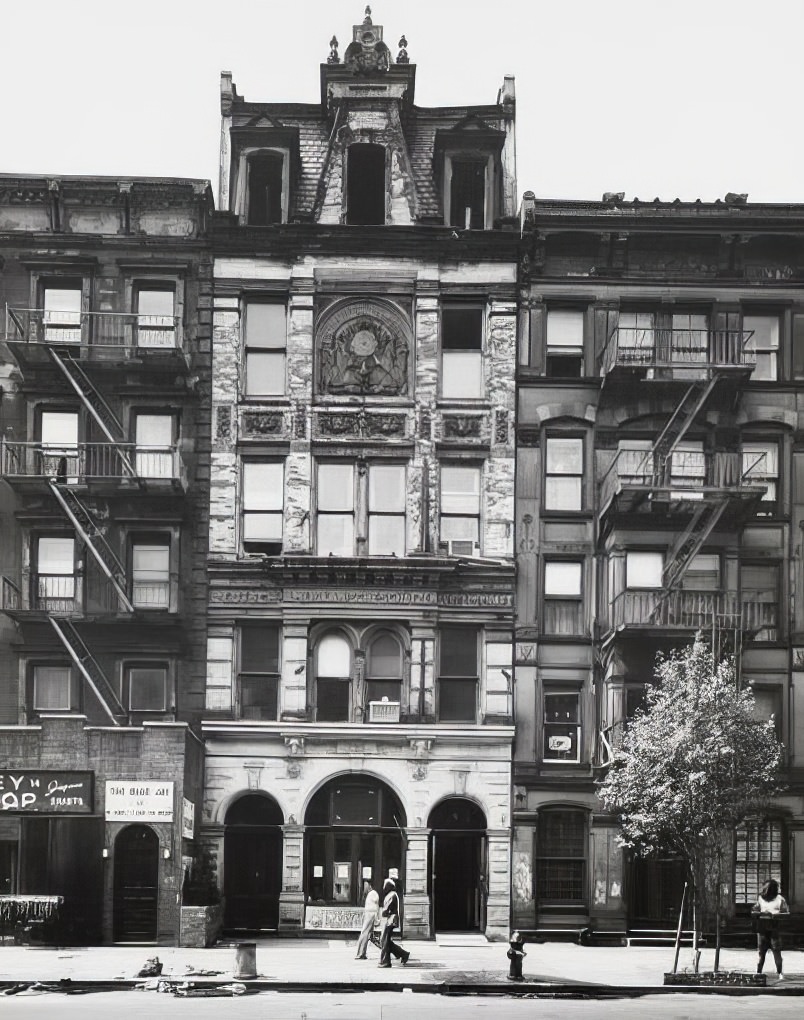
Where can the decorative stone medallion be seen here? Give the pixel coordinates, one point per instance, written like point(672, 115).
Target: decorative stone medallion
point(363, 349)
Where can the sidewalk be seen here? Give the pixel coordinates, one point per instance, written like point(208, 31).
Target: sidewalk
point(446, 965)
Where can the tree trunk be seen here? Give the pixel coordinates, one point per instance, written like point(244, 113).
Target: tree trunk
point(678, 929)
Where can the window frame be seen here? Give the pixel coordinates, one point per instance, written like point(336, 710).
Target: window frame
point(580, 475)
point(70, 601)
point(491, 203)
point(331, 680)
point(126, 668)
point(50, 282)
point(561, 349)
point(468, 680)
point(360, 217)
point(544, 860)
point(764, 864)
point(449, 515)
point(270, 678)
point(170, 330)
point(477, 348)
point(398, 515)
point(160, 459)
point(375, 683)
point(774, 446)
point(548, 725)
point(35, 707)
point(241, 192)
point(152, 540)
point(771, 351)
point(255, 350)
point(576, 599)
point(254, 546)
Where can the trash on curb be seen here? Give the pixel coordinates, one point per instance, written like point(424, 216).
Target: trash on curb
point(200, 972)
point(151, 968)
point(191, 990)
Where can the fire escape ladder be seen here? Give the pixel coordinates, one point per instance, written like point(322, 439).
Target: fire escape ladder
point(700, 527)
point(89, 668)
point(86, 526)
point(94, 402)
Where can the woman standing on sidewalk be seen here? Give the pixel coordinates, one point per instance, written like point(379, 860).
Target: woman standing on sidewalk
point(390, 913)
point(766, 911)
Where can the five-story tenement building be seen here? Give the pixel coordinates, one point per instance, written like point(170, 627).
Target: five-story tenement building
point(360, 658)
point(660, 379)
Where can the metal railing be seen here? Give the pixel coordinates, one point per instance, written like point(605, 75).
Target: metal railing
point(84, 461)
point(150, 594)
point(687, 609)
point(686, 474)
point(55, 593)
point(690, 349)
point(129, 331)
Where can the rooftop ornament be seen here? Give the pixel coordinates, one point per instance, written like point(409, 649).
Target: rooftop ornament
point(333, 51)
point(402, 57)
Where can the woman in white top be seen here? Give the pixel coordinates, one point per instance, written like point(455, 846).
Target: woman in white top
point(766, 910)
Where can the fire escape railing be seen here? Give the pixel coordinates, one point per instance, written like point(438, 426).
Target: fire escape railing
point(122, 332)
point(689, 349)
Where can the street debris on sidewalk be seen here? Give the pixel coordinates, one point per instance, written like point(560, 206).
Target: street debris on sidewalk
point(152, 968)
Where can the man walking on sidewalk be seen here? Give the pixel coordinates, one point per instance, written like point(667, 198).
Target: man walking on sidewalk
point(390, 915)
point(371, 916)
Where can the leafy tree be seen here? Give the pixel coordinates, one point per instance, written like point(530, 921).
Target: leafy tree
point(692, 765)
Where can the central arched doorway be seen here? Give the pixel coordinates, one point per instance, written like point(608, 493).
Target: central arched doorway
point(458, 884)
point(353, 835)
point(136, 884)
point(252, 860)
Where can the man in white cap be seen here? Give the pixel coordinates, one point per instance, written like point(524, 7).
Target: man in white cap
point(390, 915)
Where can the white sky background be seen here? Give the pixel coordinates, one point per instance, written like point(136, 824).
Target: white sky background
point(688, 99)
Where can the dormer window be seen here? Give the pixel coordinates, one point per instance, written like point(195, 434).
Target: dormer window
point(365, 185)
point(467, 193)
point(265, 187)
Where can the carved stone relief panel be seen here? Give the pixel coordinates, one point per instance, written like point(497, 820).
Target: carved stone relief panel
point(363, 348)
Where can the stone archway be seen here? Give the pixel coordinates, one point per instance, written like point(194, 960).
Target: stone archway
point(252, 854)
point(458, 883)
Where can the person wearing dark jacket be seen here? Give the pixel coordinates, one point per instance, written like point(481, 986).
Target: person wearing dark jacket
point(390, 915)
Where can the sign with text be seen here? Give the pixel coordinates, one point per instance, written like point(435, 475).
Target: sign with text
point(38, 791)
point(139, 800)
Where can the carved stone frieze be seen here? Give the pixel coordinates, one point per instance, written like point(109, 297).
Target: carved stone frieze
point(500, 427)
point(462, 426)
point(339, 424)
point(22, 196)
point(364, 348)
point(263, 423)
point(244, 596)
point(223, 424)
point(300, 422)
point(361, 424)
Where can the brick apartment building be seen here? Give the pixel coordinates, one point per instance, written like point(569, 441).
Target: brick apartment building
point(104, 456)
point(659, 466)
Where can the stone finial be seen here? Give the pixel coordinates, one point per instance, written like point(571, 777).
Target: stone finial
point(736, 198)
point(402, 57)
point(333, 51)
point(367, 20)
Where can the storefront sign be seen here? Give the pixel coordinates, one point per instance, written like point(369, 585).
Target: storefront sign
point(138, 801)
point(333, 918)
point(187, 818)
point(40, 792)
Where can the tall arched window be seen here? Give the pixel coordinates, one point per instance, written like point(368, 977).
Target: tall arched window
point(333, 678)
point(384, 679)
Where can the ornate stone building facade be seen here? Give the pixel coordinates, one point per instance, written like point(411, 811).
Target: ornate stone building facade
point(360, 657)
point(658, 493)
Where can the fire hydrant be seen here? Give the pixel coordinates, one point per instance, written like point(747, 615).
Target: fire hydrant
point(516, 954)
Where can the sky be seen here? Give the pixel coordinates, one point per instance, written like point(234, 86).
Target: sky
point(688, 99)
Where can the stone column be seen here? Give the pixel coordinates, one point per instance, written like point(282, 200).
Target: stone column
point(417, 900)
point(498, 903)
point(291, 899)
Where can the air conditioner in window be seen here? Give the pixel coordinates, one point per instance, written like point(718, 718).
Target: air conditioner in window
point(462, 547)
point(560, 745)
point(384, 711)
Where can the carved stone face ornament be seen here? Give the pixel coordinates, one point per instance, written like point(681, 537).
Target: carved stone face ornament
point(364, 350)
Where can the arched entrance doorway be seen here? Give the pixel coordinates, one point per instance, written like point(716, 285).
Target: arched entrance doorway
point(136, 884)
point(252, 861)
point(353, 835)
point(458, 884)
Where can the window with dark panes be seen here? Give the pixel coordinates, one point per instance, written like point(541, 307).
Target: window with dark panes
point(564, 343)
point(562, 727)
point(365, 184)
point(156, 317)
point(458, 674)
point(462, 350)
point(265, 171)
point(759, 597)
point(468, 193)
point(563, 473)
point(561, 858)
point(263, 506)
point(265, 343)
point(258, 674)
point(563, 597)
point(146, 687)
point(758, 856)
point(333, 679)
